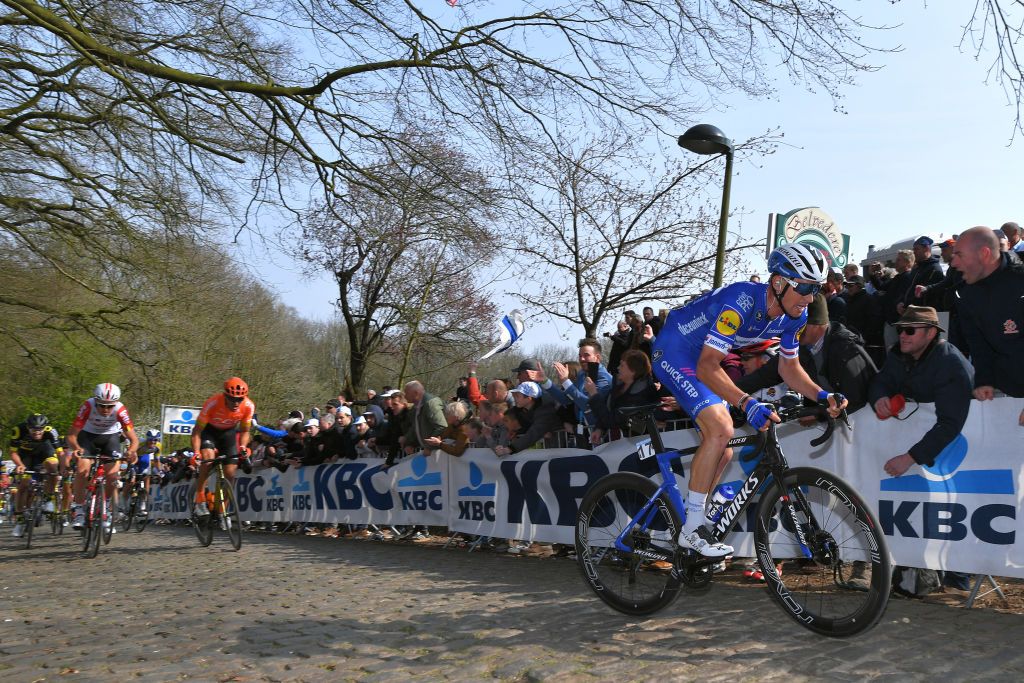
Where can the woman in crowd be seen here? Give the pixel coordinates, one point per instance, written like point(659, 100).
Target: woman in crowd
point(633, 386)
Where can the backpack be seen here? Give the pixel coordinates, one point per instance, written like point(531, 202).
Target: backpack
point(914, 582)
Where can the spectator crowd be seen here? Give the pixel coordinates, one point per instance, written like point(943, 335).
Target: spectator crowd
point(939, 324)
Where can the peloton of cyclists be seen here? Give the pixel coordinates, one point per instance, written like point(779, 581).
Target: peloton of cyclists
point(222, 428)
point(35, 446)
point(97, 430)
point(687, 356)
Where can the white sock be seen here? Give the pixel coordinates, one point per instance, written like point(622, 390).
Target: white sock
point(695, 501)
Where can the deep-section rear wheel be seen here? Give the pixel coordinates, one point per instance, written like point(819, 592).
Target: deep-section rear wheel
point(631, 580)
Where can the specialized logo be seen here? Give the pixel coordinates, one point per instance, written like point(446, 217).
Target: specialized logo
point(943, 477)
point(745, 302)
point(695, 324)
point(1010, 327)
point(656, 356)
point(728, 322)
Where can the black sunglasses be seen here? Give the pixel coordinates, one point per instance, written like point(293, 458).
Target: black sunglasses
point(909, 331)
point(804, 288)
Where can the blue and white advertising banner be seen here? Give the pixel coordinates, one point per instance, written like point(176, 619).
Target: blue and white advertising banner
point(960, 514)
point(178, 419)
point(349, 492)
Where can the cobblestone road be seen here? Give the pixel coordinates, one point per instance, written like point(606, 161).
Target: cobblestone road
point(150, 608)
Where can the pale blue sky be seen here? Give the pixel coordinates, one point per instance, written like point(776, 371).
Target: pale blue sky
point(923, 149)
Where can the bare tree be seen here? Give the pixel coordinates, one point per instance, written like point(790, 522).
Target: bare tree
point(405, 250)
point(1000, 24)
point(607, 231)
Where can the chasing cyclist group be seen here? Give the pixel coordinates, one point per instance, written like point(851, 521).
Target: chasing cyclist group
point(103, 430)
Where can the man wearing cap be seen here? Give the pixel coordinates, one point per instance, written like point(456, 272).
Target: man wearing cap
point(991, 313)
point(539, 415)
point(531, 370)
point(1013, 237)
point(927, 369)
point(926, 271)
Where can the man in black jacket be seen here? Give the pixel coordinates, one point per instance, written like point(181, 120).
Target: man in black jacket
point(926, 368)
point(894, 289)
point(926, 271)
point(991, 310)
point(832, 355)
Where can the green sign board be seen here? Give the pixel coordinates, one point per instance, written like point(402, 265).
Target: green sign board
point(809, 225)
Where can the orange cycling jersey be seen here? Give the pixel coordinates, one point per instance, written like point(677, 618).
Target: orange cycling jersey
point(217, 413)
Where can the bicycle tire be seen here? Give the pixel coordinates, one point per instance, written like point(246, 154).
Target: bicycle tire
point(229, 507)
point(30, 516)
point(55, 515)
point(817, 592)
point(129, 516)
point(203, 527)
point(109, 510)
point(94, 523)
point(141, 520)
point(625, 581)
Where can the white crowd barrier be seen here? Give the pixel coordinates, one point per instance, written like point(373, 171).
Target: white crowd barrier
point(960, 515)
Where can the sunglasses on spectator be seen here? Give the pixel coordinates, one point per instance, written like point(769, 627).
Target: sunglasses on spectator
point(804, 288)
point(909, 331)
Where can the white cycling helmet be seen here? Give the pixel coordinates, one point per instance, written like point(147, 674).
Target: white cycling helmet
point(799, 261)
point(107, 394)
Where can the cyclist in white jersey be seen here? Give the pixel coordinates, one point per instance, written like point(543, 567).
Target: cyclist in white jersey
point(97, 430)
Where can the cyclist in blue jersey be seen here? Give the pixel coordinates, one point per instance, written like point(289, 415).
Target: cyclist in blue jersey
point(686, 356)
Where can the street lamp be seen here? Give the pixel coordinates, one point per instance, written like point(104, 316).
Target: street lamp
point(707, 139)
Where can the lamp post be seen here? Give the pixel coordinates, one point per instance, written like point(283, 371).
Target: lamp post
point(707, 139)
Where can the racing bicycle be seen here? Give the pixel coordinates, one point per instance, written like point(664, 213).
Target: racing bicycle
point(32, 514)
point(135, 497)
point(835, 567)
point(98, 508)
point(223, 508)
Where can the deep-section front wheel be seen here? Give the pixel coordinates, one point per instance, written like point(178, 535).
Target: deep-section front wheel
point(228, 511)
point(835, 564)
point(631, 580)
point(94, 523)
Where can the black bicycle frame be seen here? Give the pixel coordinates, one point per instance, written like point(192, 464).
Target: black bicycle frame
point(773, 464)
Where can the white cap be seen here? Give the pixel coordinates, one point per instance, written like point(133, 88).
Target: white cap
point(312, 422)
point(345, 410)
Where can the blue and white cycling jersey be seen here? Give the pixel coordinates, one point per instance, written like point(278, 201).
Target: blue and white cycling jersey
point(728, 317)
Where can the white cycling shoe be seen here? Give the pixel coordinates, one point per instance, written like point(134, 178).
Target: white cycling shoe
point(703, 543)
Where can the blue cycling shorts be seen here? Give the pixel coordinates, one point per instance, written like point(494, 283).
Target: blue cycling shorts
point(675, 366)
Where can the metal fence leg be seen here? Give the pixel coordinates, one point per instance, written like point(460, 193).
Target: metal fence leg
point(978, 580)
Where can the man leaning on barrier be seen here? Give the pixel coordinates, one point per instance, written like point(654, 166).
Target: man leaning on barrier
point(991, 313)
point(926, 368)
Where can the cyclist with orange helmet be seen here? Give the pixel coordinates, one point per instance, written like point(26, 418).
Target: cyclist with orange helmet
point(222, 428)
